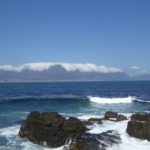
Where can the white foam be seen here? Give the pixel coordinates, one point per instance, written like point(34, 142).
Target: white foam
point(86, 117)
point(10, 131)
point(118, 100)
point(30, 146)
point(128, 143)
point(142, 101)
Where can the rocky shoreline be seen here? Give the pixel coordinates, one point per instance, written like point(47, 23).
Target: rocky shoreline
point(52, 130)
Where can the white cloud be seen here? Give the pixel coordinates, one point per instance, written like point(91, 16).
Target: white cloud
point(143, 71)
point(135, 67)
point(41, 66)
point(9, 68)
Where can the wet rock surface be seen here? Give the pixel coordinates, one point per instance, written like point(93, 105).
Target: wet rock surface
point(139, 126)
point(50, 129)
point(140, 117)
point(110, 114)
point(114, 116)
point(53, 130)
point(89, 141)
point(121, 118)
point(92, 121)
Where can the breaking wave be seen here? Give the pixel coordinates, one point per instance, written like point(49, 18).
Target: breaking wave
point(118, 100)
point(141, 101)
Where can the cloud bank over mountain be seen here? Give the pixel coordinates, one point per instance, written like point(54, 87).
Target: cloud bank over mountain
point(135, 67)
point(88, 67)
point(43, 72)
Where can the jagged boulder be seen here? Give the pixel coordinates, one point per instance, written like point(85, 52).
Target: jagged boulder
point(139, 129)
point(110, 114)
point(114, 116)
point(73, 126)
point(139, 126)
point(50, 129)
point(89, 141)
point(95, 120)
point(53, 130)
point(121, 118)
point(141, 117)
point(91, 121)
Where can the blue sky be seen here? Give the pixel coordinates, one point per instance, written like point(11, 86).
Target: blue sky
point(114, 33)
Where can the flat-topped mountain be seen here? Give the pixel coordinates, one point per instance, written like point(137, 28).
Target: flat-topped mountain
point(58, 72)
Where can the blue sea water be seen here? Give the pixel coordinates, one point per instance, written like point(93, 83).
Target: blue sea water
point(80, 99)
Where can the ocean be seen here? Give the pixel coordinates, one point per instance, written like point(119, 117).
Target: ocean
point(80, 99)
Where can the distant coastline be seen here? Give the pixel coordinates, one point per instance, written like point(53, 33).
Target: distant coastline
point(73, 81)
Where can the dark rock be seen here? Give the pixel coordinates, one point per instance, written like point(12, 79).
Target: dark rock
point(139, 126)
point(73, 126)
point(139, 129)
point(110, 114)
point(50, 129)
point(86, 141)
point(95, 120)
point(87, 123)
point(114, 116)
point(91, 121)
point(121, 118)
point(140, 117)
point(89, 141)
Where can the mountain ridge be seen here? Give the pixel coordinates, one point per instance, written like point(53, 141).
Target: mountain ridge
point(59, 73)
